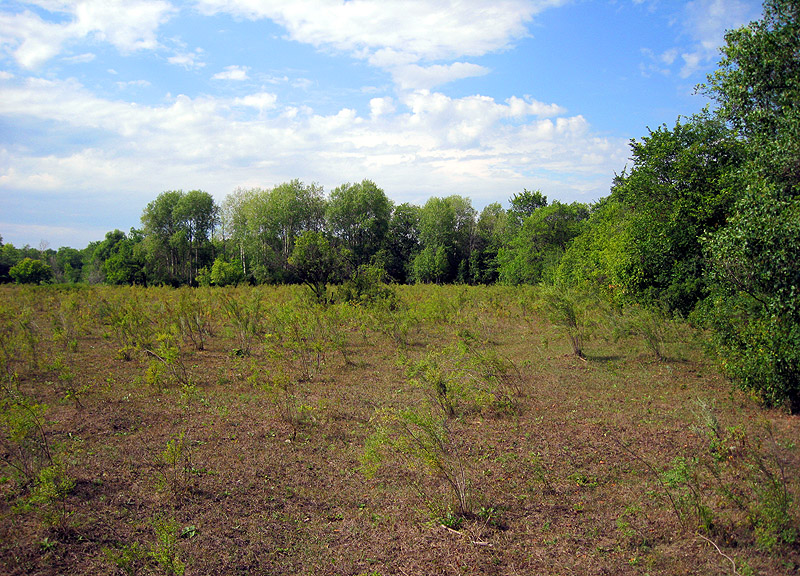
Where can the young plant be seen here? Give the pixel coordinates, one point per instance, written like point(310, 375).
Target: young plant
point(48, 496)
point(569, 309)
point(164, 551)
point(245, 312)
point(652, 325)
point(194, 314)
point(25, 447)
point(130, 322)
point(420, 440)
point(174, 466)
point(166, 359)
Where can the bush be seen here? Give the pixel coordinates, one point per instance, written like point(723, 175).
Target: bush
point(29, 271)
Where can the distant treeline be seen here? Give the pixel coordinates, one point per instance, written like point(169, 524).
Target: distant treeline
point(186, 238)
point(705, 223)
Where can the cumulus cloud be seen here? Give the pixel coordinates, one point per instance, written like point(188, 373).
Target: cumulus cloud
point(383, 33)
point(129, 25)
point(232, 73)
point(421, 143)
point(188, 60)
point(702, 24)
point(413, 76)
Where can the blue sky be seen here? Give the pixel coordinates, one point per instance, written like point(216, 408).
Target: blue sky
point(104, 104)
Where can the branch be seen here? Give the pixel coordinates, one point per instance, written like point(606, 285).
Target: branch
point(721, 553)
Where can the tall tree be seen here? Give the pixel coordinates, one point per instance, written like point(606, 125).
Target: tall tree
point(120, 258)
point(492, 232)
point(755, 309)
point(197, 214)
point(447, 233)
point(358, 215)
point(525, 204)
point(677, 190)
point(402, 241)
point(166, 240)
point(541, 242)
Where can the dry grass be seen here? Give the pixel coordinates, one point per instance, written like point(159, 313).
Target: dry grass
point(254, 463)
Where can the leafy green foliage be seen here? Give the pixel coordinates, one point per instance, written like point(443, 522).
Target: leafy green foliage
point(523, 205)
point(421, 440)
point(358, 215)
point(754, 311)
point(30, 271)
point(755, 308)
point(757, 89)
point(316, 263)
point(533, 254)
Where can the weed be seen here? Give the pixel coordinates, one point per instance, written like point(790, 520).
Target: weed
point(174, 465)
point(130, 322)
point(165, 550)
point(568, 309)
point(652, 325)
point(166, 359)
point(748, 471)
point(245, 312)
point(284, 392)
point(48, 496)
point(25, 448)
point(130, 558)
point(194, 314)
point(421, 440)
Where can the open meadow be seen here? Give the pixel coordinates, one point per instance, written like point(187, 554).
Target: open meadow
point(450, 430)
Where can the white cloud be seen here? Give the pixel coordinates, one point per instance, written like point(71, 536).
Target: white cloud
point(80, 58)
point(419, 144)
point(437, 30)
point(261, 101)
point(383, 33)
point(188, 60)
point(232, 73)
point(705, 21)
point(134, 84)
point(413, 77)
point(381, 107)
point(129, 25)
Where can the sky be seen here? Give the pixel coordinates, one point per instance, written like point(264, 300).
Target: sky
point(105, 104)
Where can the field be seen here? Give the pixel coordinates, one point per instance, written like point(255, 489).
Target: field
point(452, 431)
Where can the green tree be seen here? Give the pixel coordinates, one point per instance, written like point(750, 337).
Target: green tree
point(316, 263)
point(263, 225)
point(754, 310)
point(677, 190)
point(534, 252)
point(224, 273)
point(197, 214)
point(447, 233)
point(491, 233)
point(756, 86)
point(755, 271)
point(121, 258)
point(68, 265)
point(9, 256)
point(525, 204)
point(599, 256)
point(29, 271)
point(167, 248)
point(402, 241)
point(358, 215)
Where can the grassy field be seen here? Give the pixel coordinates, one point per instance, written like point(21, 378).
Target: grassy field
point(248, 431)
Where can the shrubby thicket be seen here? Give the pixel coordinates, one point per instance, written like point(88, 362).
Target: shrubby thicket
point(704, 223)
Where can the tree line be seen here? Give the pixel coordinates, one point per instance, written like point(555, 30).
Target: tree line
point(703, 223)
point(186, 238)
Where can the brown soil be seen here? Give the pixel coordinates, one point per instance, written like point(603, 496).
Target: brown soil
point(567, 478)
